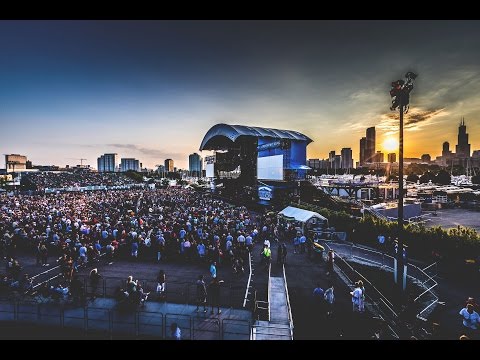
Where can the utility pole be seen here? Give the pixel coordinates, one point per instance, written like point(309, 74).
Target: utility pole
point(400, 93)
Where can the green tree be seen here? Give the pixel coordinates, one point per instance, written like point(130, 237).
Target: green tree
point(443, 178)
point(476, 179)
point(426, 177)
point(412, 177)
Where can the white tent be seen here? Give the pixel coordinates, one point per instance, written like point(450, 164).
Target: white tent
point(304, 216)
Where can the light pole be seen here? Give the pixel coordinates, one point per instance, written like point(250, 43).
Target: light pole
point(400, 93)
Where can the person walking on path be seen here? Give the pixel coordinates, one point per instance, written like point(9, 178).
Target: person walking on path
point(356, 297)
point(329, 299)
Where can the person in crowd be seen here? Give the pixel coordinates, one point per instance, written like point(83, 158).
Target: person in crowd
point(175, 332)
point(201, 294)
point(356, 295)
point(214, 293)
point(161, 280)
point(213, 270)
point(361, 305)
point(94, 278)
point(330, 261)
point(470, 319)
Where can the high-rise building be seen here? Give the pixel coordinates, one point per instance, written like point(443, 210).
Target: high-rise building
point(445, 148)
point(347, 160)
point(14, 162)
point(462, 150)
point(392, 157)
point(379, 157)
point(195, 165)
point(129, 164)
point(169, 165)
point(161, 169)
point(107, 163)
point(370, 145)
point(363, 147)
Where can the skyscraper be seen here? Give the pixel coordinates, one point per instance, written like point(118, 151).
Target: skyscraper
point(129, 164)
point(347, 161)
point(363, 146)
point(169, 165)
point(392, 157)
point(107, 163)
point(195, 165)
point(370, 145)
point(463, 148)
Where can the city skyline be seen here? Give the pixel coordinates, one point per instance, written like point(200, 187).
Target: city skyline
point(150, 90)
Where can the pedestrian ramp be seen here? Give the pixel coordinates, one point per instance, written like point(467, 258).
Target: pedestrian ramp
point(280, 326)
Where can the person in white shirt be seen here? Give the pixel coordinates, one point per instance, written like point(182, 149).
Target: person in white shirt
point(470, 317)
point(356, 297)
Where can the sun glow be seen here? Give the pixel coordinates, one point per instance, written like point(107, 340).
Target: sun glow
point(390, 144)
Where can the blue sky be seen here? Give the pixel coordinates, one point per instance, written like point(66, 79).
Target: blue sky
point(152, 89)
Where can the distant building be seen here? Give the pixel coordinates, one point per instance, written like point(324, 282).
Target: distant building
point(346, 158)
point(462, 150)
point(29, 164)
point(169, 165)
point(129, 164)
point(379, 157)
point(426, 158)
point(363, 146)
point(14, 162)
point(195, 165)
point(107, 163)
point(392, 157)
point(412, 160)
point(370, 145)
point(161, 169)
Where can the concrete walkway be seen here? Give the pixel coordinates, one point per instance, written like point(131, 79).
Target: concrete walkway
point(278, 328)
point(151, 321)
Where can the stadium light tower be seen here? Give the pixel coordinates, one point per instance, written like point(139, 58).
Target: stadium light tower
point(400, 93)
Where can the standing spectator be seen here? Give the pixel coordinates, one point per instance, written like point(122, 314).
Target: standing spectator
point(161, 284)
point(94, 281)
point(356, 297)
point(303, 240)
point(330, 261)
point(329, 299)
point(284, 253)
point(361, 306)
point(175, 332)
point(213, 269)
point(134, 249)
point(318, 295)
point(39, 253)
point(201, 294)
point(44, 255)
point(470, 318)
point(214, 292)
point(279, 254)
point(296, 243)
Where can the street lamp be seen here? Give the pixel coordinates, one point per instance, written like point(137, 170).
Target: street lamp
point(400, 93)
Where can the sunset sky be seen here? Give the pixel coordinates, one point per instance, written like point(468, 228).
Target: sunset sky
point(152, 89)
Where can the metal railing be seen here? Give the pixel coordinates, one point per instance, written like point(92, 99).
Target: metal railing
point(290, 317)
point(111, 323)
point(249, 280)
point(415, 274)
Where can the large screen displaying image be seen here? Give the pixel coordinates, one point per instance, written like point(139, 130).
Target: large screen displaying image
point(210, 170)
point(270, 167)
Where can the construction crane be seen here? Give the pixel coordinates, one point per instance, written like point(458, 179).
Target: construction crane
point(81, 160)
